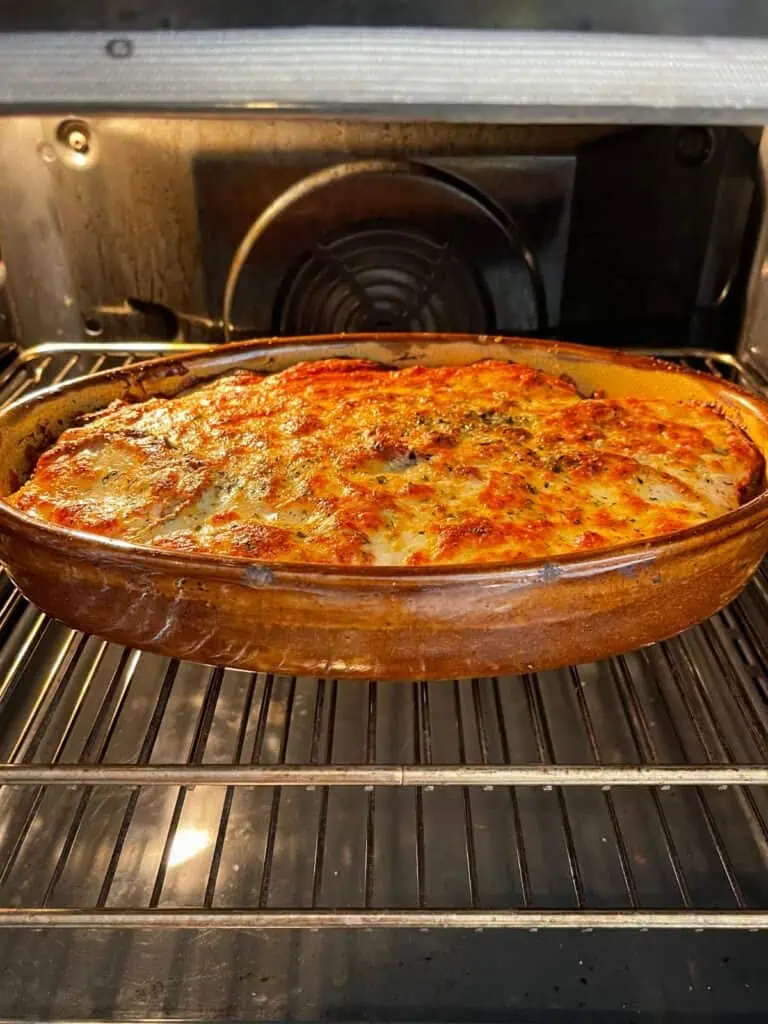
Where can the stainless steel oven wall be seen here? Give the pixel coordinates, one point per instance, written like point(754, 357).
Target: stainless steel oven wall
point(97, 212)
point(754, 336)
point(123, 228)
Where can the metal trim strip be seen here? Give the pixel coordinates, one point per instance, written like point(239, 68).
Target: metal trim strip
point(470, 75)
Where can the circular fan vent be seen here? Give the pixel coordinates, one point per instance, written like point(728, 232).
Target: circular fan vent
point(382, 278)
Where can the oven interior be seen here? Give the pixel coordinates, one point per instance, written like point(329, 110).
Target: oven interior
point(142, 890)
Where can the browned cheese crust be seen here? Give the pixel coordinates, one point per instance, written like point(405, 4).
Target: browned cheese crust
point(345, 462)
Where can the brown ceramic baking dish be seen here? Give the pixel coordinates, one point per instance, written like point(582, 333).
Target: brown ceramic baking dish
point(391, 623)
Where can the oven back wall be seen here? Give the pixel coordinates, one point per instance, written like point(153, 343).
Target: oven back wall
point(124, 228)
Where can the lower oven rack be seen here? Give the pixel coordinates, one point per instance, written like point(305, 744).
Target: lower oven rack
point(140, 792)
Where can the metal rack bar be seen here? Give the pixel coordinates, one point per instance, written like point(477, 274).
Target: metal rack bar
point(547, 775)
point(469, 827)
point(644, 746)
point(423, 739)
point(370, 818)
point(29, 749)
point(221, 833)
point(101, 351)
point(322, 823)
point(271, 835)
point(546, 752)
point(626, 869)
point(202, 731)
point(114, 695)
point(711, 825)
point(146, 752)
point(177, 918)
point(519, 847)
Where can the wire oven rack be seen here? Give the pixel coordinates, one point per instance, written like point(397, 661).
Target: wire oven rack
point(138, 791)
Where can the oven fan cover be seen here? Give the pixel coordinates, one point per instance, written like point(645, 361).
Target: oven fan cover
point(383, 277)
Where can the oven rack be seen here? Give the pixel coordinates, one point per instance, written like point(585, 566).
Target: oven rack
point(141, 792)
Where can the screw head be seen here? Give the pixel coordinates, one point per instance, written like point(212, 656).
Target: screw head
point(694, 146)
point(76, 139)
point(120, 48)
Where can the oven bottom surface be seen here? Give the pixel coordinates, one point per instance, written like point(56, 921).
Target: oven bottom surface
point(619, 978)
point(407, 822)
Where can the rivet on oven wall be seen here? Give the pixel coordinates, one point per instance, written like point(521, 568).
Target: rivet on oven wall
point(694, 146)
point(46, 152)
point(76, 143)
point(78, 140)
point(93, 327)
point(120, 48)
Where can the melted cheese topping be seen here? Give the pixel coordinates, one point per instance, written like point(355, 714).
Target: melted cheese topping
point(346, 462)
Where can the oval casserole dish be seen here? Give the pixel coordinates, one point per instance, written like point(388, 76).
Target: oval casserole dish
point(382, 622)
